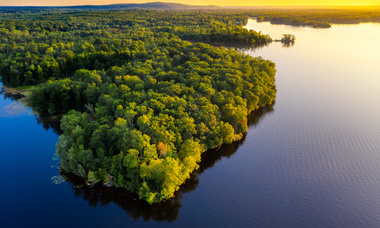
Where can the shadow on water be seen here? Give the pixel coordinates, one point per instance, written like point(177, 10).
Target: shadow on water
point(10, 96)
point(252, 48)
point(50, 122)
point(258, 47)
point(287, 44)
point(168, 210)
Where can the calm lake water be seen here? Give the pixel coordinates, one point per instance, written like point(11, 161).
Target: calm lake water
point(311, 160)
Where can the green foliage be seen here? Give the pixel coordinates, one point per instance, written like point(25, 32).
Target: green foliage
point(147, 104)
point(221, 28)
point(37, 47)
point(58, 96)
point(149, 139)
point(288, 38)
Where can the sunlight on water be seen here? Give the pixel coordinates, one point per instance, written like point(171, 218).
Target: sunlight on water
point(310, 160)
point(325, 127)
point(349, 44)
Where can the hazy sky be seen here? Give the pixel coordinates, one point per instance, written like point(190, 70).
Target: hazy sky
point(193, 2)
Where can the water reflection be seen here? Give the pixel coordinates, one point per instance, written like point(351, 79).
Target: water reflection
point(11, 96)
point(287, 45)
point(256, 48)
point(47, 121)
point(244, 48)
point(17, 108)
point(12, 109)
point(50, 122)
point(7, 95)
point(168, 210)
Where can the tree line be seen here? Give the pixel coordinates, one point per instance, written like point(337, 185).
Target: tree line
point(40, 46)
point(317, 18)
point(141, 104)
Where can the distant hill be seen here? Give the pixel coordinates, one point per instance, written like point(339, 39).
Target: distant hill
point(150, 5)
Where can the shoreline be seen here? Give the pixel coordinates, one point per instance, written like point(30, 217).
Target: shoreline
point(19, 94)
point(13, 90)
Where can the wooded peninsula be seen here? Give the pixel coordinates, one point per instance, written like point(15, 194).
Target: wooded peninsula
point(140, 103)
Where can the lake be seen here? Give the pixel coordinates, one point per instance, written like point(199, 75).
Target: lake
point(310, 160)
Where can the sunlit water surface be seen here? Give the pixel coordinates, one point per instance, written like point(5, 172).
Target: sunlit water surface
point(311, 160)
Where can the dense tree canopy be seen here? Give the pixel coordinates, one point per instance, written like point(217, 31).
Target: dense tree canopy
point(144, 103)
point(41, 46)
point(140, 103)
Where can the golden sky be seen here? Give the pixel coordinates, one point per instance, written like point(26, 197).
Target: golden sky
point(193, 2)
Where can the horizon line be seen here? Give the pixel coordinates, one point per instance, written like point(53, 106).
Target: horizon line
point(277, 5)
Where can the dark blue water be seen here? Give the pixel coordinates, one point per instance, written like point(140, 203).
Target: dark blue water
point(311, 160)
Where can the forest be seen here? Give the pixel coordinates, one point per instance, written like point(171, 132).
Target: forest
point(316, 18)
point(142, 95)
point(37, 46)
point(140, 104)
